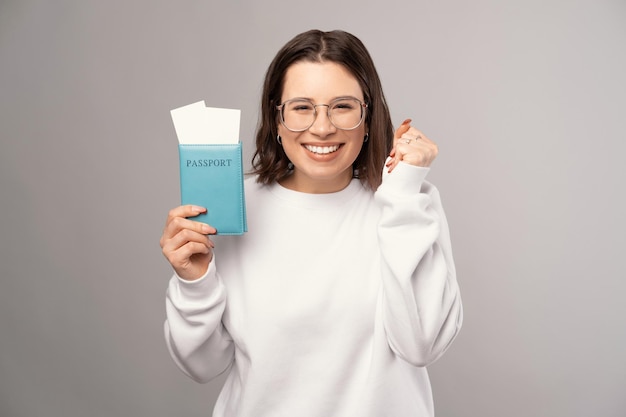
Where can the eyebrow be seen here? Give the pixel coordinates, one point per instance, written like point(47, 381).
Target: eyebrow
point(333, 99)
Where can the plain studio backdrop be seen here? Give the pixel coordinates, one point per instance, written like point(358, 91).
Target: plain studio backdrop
point(526, 99)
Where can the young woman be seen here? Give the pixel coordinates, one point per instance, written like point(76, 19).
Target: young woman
point(344, 289)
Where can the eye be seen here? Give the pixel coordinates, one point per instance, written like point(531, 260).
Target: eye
point(346, 104)
point(299, 106)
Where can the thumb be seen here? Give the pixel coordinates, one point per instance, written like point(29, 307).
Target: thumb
point(404, 127)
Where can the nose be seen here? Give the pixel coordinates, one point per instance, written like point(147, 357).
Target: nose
point(322, 126)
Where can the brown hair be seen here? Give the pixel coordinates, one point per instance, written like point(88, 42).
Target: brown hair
point(270, 162)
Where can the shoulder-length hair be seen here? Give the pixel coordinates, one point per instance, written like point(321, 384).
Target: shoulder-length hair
point(270, 162)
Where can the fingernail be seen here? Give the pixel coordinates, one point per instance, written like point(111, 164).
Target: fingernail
point(206, 229)
point(198, 209)
point(406, 121)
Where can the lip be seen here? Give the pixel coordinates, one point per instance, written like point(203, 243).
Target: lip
point(322, 143)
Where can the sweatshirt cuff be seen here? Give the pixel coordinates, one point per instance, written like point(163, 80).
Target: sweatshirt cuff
point(198, 288)
point(405, 178)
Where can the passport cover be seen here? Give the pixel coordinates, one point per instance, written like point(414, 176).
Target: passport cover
point(211, 176)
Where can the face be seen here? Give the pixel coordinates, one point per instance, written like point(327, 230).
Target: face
point(322, 155)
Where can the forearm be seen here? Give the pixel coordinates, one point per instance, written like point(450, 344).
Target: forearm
point(194, 333)
point(421, 303)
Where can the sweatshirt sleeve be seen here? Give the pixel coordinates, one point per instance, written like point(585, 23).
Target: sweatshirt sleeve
point(421, 303)
point(194, 333)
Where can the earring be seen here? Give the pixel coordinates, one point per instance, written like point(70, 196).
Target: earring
point(279, 140)
point(290, 166)
point(366, 138)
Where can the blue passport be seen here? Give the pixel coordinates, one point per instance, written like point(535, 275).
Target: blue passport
point(211, 176)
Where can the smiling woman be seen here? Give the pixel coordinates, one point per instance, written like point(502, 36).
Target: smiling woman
point(352, 62)
point(344, 289)
point(322, 154)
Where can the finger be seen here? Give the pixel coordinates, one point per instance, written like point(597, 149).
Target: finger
point(392, 164)
point(422, 137)
point(184, 237)
point(400, 150)
point(398, 133)
point(421, 152)
point(412, 134)
point(177, 224)
point(404, 127)
point(188, 210)
point(182, 256)
point(187, 235)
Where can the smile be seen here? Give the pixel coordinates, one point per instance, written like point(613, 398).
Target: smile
point(321, 150)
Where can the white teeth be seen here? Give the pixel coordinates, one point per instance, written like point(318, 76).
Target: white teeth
point(322, 149)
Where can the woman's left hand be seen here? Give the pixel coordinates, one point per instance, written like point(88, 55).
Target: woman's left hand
point(412, 147)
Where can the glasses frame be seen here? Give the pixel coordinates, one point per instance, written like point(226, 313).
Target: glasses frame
point(281, 107)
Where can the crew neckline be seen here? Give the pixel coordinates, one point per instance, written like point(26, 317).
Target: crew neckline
point(316, 201)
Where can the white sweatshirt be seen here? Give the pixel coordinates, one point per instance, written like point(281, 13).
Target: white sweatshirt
point(331, 305)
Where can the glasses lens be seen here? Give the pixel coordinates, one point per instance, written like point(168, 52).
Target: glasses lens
point(298, 114)
point(346, 113)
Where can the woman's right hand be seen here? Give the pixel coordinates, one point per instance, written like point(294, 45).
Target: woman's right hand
point(186, 244)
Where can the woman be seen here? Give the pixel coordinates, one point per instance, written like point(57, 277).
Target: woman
point(344, 288)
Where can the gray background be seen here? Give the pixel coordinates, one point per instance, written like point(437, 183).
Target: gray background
point(526, 100)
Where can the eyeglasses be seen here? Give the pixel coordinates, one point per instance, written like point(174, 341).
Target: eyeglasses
point(299, 114)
